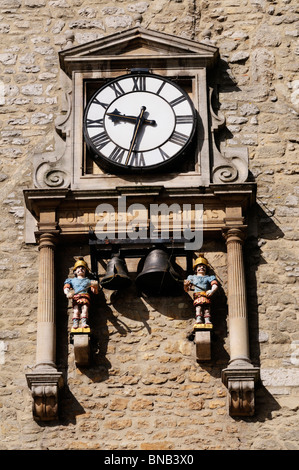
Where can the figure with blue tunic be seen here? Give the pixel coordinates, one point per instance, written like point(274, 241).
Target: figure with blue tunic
point(78, 289)
point(203, 286)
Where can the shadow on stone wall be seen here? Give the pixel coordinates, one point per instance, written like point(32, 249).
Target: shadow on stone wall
point(261, 227)
point(117, 315)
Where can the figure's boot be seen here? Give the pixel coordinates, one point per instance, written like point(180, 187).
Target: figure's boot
point(84, 323)
point(198, 315)
point(199, 319)
point(208, 319)
point(75, 323)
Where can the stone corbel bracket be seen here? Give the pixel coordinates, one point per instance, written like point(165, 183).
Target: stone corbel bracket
point(44, 386)
point(202, 341)
point(52, 169)
point(81, 343)
point(240, 382)
point(231, 166)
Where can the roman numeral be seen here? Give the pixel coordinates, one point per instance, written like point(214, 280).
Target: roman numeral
point(104, 105)
point(184, 119)
point(100, 140)
point(117, 89)
point(139, 83)
point(95, 122)
point(163, 154)
point(137, 159)
point(161, 88)
point(117, 154)
point(178, 100)
point(178, 138)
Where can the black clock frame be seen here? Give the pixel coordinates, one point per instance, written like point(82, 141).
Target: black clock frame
point(113, 167)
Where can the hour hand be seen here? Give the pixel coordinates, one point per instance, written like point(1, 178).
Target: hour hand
point(116, 116)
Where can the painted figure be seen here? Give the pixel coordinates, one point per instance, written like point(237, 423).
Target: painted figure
point(77, 289)
point(204, 286)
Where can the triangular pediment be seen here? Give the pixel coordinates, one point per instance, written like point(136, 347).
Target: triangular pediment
point(138, 44)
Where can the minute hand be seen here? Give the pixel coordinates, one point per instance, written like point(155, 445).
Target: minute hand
point(139, 122)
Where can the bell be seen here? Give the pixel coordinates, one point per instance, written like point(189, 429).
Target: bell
point(158, 275)
point(116, 276)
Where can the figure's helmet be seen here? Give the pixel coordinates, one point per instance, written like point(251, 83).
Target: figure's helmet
point(200, 260)
point(80, 262)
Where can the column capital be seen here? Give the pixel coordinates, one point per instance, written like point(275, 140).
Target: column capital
point(47, 239)
point(235, 234)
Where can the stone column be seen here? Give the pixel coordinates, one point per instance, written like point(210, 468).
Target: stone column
point(240, 375)
point(237, 306)
point(46, 328)
point(45, 380)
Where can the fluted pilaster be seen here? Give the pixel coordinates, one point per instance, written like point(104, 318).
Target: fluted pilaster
point(240, 376)
point(46, 330)
point(237, 304)
point(45, 380)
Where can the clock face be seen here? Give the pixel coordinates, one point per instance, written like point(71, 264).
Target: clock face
point(138, 122)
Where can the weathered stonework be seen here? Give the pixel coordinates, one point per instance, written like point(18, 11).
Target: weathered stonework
point(145, 389)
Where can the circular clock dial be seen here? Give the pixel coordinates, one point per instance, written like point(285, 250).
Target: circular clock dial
point(139, 121)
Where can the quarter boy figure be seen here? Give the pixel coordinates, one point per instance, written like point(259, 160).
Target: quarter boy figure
point(77, 289)
point(204, 286)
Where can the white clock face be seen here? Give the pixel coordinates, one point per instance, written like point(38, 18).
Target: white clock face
point(139, 121)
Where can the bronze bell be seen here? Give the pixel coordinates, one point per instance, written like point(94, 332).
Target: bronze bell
point(116, 276)
point(158, 275)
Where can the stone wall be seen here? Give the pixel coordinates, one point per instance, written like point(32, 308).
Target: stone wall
point(145, 389)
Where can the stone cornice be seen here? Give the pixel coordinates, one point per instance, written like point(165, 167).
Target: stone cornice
point(144, 46)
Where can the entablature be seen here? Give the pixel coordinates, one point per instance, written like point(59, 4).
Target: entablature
point(75, 212)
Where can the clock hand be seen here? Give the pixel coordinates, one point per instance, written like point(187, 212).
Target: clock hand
point(116, 116)
point(139, 121)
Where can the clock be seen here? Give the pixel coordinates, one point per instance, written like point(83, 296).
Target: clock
point(138, 122)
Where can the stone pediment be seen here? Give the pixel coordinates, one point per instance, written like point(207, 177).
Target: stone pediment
point(146, 47)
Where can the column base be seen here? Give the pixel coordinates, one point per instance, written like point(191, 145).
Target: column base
point(44, 384)
point(240, 378)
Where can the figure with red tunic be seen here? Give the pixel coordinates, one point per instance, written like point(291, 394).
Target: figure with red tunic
point(78, 289)
point(204, 285)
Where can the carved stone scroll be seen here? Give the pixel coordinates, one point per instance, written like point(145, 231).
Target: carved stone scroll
point(240, 383)
point(230, 165)
point(53, 169)
point(44, 385)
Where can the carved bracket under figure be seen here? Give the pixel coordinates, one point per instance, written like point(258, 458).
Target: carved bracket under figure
point(202, 341)
point(81, 341)
point(44, 386)
point(240, 382)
